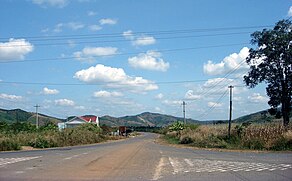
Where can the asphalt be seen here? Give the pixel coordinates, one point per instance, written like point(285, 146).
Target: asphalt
point(141, 158)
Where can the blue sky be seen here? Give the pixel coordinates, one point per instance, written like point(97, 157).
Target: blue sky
point(127, 57)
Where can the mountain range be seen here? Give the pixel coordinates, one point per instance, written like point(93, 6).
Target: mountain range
point(143, 119)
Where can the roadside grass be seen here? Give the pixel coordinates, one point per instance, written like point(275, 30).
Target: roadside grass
point(268, 136)
point(50, 136)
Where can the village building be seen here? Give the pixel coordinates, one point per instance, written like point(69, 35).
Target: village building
point(79, 120)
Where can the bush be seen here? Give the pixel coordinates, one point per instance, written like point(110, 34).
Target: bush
point(185, 140)
point(176, 126)
point(7, 144)
point(269, 136)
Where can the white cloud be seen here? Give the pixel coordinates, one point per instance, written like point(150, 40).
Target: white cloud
point(159, 96)
point(70, 25)
point(94, 27)
point(91, 13)
point(190, 95)
point(141, 40)
point(106, 94)
point(52, 3)
point(88, 54)
point(290, 12)
point(64, 102)
point(232, 62)
point(128, 35)
point(157, 109)
point(10, 97)
point(79, 107)
point(58, 28)
point(114, 78)
point(212, 83)
point(149, 61)
point(257, 98)
point(214, 104)
point(108, 21)
point(172, 102)
point(144, 40)
point(75, 25)
point(15, 49)
point(48, 91)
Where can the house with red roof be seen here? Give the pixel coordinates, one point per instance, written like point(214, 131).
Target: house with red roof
point(78, 120)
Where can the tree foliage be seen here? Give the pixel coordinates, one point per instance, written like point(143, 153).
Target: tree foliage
point(271, 62)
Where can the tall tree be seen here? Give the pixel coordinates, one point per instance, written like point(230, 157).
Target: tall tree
point(271, 62)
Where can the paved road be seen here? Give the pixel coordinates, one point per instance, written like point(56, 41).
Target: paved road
point(141, 158)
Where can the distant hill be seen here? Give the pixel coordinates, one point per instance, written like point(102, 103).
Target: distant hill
point(144, 119)
point(18, 115)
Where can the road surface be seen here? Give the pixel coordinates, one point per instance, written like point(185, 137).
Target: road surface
point(140, 158)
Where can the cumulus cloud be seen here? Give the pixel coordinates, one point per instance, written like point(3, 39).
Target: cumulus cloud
point(64, 102)
point(89, 54)
point(290, 12)
point(235, 61)
point(15, 49)
point(211, 83)
point(257, 98)
point(191, 95)
point(75, 25)
point(70, 25)
point(108, 21)
point(144, 40)
point(10, 97)
point(79, 107)
point(106, 94)
point(172, 102)
point(94, 27)
point(159, 96)
point(139, 40)
point(149, 61)
point(48, 91)
point(128, 35)
point(91, 13)
point(114, 78)
point(52, 3)
point(214, 104)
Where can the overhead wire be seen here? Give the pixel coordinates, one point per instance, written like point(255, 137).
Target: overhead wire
point(213, 106)
point(159, 32)
point(122, 40)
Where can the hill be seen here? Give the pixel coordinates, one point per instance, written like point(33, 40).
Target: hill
point(18, 115)
point(144, 119)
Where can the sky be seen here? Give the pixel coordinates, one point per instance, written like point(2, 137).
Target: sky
point(118, 58)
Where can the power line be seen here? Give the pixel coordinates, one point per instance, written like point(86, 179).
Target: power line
point(161, 32)
point(123, 54)
point(124, 40)
point(213, 106)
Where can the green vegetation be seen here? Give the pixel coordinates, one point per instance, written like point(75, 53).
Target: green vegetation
point(270, 136)
point(14, 136)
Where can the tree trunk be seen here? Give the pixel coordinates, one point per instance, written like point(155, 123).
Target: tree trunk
point(286, 104)
point(285, 112)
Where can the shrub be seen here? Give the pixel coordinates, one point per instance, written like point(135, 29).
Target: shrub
point(176, 126)
point(7, 144)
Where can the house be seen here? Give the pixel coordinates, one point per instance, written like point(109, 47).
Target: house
point(76, 121)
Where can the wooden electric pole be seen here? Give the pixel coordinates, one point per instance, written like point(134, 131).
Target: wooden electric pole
point(230, 110)
point(37, 116)
point(184, 112)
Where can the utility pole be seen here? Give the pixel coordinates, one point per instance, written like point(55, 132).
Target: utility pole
point(230, 110)
point(184, 112)
point(37, 115)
